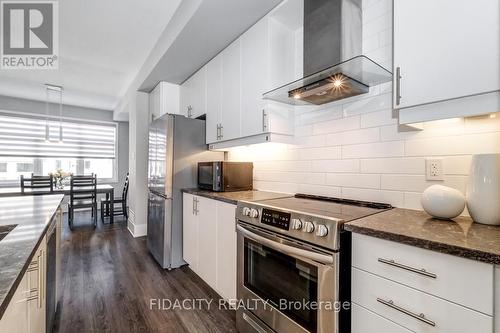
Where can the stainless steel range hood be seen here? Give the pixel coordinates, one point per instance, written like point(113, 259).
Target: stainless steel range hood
point(334, 67)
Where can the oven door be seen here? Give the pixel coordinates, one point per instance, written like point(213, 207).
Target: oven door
point(284, 285)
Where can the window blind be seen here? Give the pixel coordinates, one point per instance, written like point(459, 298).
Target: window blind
point(25, 136)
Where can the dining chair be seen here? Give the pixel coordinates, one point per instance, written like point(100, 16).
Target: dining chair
point(105, 203)
point(42, 184)
point(82, 195)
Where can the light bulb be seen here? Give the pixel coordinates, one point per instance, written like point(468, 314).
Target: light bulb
point(296, 96)
point(337, 83)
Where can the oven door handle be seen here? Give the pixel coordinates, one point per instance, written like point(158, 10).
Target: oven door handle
point(286, 249)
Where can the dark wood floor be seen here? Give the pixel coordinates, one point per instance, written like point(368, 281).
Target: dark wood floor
point(108, 279)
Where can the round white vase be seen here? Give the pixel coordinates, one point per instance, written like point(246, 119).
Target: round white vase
point(483, 189)
point(443, 202)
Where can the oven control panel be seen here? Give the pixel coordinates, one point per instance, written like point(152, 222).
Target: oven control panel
point(276, 218)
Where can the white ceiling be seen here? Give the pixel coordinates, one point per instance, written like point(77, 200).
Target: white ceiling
point(103, 44)
point(214, 25)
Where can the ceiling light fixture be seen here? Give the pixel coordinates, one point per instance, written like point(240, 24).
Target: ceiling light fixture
point(59, 91)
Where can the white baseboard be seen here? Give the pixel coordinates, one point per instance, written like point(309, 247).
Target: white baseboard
point(136, 230)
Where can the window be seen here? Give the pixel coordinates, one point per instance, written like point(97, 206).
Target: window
point(86, 147)
point(24, 167)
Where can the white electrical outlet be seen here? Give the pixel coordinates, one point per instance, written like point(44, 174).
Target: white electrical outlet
point(434, 169)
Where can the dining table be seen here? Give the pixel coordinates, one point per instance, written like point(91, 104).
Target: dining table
point(106, 189)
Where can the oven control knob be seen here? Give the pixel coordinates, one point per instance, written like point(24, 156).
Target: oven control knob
point(254, 213)
point(296, 224)
point(308, 227)
point(322, 230)
point(246, 211)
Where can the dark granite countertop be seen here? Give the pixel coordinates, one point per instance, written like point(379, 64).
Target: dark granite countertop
point(234, 197)
point(460, 237)
point(31, 216)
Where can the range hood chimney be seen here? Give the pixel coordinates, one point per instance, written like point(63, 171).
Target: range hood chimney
point(334, 67)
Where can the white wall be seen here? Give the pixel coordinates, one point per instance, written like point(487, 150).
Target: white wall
point(354, 148)
point(138, 162)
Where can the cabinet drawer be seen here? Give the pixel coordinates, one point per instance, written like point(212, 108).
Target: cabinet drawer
point(463, 281)
point(413, 309)
point(365, 321)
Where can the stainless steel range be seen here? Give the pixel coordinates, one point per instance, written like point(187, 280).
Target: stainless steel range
point(294, 263)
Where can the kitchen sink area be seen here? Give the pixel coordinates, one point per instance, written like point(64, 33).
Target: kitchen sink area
point(5, 229)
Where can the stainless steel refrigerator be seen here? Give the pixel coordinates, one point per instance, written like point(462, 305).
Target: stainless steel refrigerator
point(176, 145)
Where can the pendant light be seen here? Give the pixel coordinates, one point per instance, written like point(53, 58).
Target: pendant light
point(59, 91)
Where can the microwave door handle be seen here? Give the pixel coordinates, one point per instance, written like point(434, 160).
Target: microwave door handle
point(286, 249)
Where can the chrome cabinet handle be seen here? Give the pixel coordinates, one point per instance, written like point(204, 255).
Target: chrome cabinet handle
point(264, 120)
point(420, 317)
point(218, 131)
point(398, 85)
point(420, 271)
point(194, 206)
point(221, 131)
point(190, 111)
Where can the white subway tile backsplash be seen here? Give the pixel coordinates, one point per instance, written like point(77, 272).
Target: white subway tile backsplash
point(418, 183)
point(353, 180)
point(323, 153)
point(328, 191)
point(455, 145)
point(351, 166)
point(379, 118)
point(457, 165)
point(394, 198)
point(366, 105)
point(336, 125)
point(320, 115)
point(393, 165)
point(412, 200)
point(368, 150)
point(354, 137)
point(291, 177)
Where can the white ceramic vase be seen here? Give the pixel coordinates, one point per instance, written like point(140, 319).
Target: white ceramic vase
point(483, 189)
point(443, 202)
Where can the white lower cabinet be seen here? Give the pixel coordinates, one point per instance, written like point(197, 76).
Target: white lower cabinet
point(26, 310)
point(396, 288)
point(209, 242)
point(226, 250)
point(365, 321)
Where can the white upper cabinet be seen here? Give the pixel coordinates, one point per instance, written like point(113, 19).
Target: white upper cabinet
point(255, 75)
point(164, 98)
point(193, 95)
point(214, 99)
point(445, 49)
point(231, 94)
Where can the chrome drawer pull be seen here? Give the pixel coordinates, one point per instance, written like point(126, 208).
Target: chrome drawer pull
point(420, 317)
point(420, 271)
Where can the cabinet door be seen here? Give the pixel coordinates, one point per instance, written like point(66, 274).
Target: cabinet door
point(185, 97)
point(37, 281)
point(214, 98)
point(254, 77)
point(154, 103)
point(189, 232)
point(445, 49)
point(15, 317)
point(226, 250)
point(207, 240)
point(198, 93)
point(231, 127)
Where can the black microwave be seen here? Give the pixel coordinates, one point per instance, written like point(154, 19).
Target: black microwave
point(225, 176)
